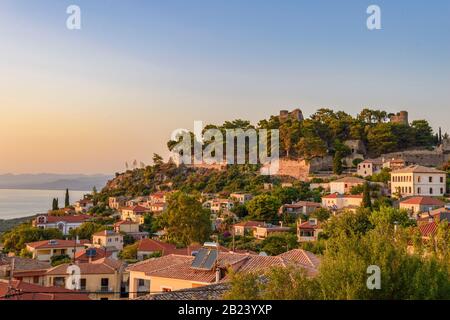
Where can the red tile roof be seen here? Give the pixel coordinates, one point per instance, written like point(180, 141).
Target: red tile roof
point(27, 291)
point(428, 229)
point(136, 209)
point(100, 266)
point(417, 169)
point(68, 218)
point(179, 267)
point(308, 225)
point(124, 222)
point(100, 253)
point(250, 224)
point(151, 245)
point(107, 233)
point(58, 243)
point(336, 195)
point(424, 201)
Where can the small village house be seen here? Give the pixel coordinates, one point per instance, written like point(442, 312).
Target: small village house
point(101, 279)
point(344, 185)
point(242, 198)
point(218, 205)
point(415, 205)
point(130, 228)
point(83, 205)
point(21, 290)
point(64, 223)
point(117, 202)
point(44, 250)
point(300, 207)
point(339, 201)
point(309, 230)
point(246, 227)
point(369, 167)
point(135, 213)
point(108, 239)
point(23, 269)
point(263, 232)
point(418, 181)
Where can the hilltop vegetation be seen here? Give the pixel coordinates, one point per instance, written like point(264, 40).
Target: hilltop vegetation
point(325, 131)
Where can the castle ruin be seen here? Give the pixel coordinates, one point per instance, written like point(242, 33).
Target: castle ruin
point(400, 118)
point(295, 114)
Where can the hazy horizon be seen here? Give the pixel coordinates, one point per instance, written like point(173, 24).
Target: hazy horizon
point(90, 100)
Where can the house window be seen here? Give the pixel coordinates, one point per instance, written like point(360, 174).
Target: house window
point(418, 190)
point(442, 179)
point(59, 282)
point(431, 190)
point(430, 179)
point(442, 190)
point(36, 279)
point(410, 190)
point(83, 284)
point(141, 282)
point(104, 284)
point(418, 179)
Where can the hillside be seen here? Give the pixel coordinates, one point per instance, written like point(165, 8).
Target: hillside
point(188, 179)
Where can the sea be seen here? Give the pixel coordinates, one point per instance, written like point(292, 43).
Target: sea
point(18, 203)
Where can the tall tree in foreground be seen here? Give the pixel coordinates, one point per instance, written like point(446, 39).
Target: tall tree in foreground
point(185, 220)
point(67, 199)
point(343, 273)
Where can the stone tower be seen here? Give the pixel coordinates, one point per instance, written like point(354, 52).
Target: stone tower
point(295, 114)
point(400, 118)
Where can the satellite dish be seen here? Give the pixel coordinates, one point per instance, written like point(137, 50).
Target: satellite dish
point(263, 254)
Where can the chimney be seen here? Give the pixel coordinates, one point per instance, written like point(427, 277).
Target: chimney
point(218, 274)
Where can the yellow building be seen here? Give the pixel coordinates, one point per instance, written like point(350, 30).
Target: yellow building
point(102, 279)
point(135, 213)
point(108, 239)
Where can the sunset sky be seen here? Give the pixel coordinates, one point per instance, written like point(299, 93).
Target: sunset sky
point(86, 101)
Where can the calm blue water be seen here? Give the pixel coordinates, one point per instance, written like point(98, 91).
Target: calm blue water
point(23, 203)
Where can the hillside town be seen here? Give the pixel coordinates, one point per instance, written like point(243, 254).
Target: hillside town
point(175, 231)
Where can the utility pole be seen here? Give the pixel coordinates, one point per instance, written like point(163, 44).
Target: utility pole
point(233, 239)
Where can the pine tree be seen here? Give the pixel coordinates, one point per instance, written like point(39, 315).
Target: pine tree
point(55, 205)
point(337, 163)
point(67, 199)
point(367, 201)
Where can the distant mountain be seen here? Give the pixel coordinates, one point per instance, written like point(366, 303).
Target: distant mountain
point(50, 181)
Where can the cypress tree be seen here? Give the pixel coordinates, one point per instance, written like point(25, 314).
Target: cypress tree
point(367, 201)
point(55, 205)
point(67, 199)
point(337, 163)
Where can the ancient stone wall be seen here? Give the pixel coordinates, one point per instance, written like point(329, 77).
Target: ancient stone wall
point(301, 168)
point(429, 158)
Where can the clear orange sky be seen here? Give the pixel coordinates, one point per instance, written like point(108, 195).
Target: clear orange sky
point(87, 101)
